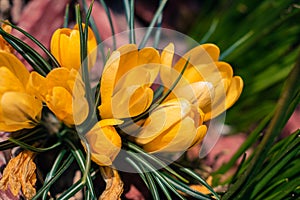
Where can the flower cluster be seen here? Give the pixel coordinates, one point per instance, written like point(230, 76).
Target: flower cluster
point(205, 88)
point(142, 96)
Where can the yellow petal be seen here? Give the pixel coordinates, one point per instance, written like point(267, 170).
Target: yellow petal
point(58, 77)
point(9, 82)
point(148, 55)
point(131, 101)
point(60, 103)
point(105, 143)
point(202, 54)
point(162, 119)
point(234, 91)
point(224, 101)
point(167, 55)
point(19, 111)
point(128, 59)
point(201, 132)
point(107, 84)
point(177, 138)
point(37, 85)
point(11, 62)
point(146, 74)
point(199, 93)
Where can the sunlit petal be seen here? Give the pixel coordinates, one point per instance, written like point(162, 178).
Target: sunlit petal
point(11, 62)
point(104, 141)
point(20, 109)
point(163, 118)
point(131, 101)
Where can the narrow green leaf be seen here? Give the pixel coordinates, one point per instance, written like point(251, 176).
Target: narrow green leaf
point(251, 139)
point(83, 163)
point(110, 23)
point(235, 45)
point(197, 178)
point(66, 16)
point(185, 188)
point(210, 31)
point(57, 175)
point(137, 167)
point(137, 149)
point(32, 148)
point(70, 192)
point(153, 22)
point(29, 54)
point(54, 168)
point(155, 172)
point(38, 43)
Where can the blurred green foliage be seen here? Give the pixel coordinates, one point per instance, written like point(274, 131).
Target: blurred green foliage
point(263, 59)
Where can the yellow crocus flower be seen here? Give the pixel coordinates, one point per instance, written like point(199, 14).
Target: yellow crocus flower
point(126, 80)
point(205, 78)
point(18, 108)
point(63, 92)
point(173, 126)
point(104, 141)
point(65, 46)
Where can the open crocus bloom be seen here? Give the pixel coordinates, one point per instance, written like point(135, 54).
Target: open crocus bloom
point(18, 108)
point(126, 80)
point(63, 92)
point(65, 46)
point(210, 82)
point(173, 126)
point(104, 141)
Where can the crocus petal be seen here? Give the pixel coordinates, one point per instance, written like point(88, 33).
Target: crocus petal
point(107, 84)
point(58, 77)
point(128, 59)
point(147, 56)
point(162, 118)
point(201, 132)
point(11, 62)
point(199, 93)
point(105, 142)
point(60, 103)
point(19, 111)
point(202, 54)
point(146, 74)
point(131, 101)
point(177, 138)
point(167, 55)
point(37, 85)
point(224, 98)
point(9, 82)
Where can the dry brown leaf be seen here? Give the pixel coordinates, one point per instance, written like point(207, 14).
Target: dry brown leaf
point(20, 174)
point(114, 184)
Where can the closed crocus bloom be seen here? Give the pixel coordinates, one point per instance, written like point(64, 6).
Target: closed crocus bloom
point(63, 92)
point(209, 81)
point(126, 81)
point(173, 126)
point(104, 141)
point(18, 108)
point(65, 46)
